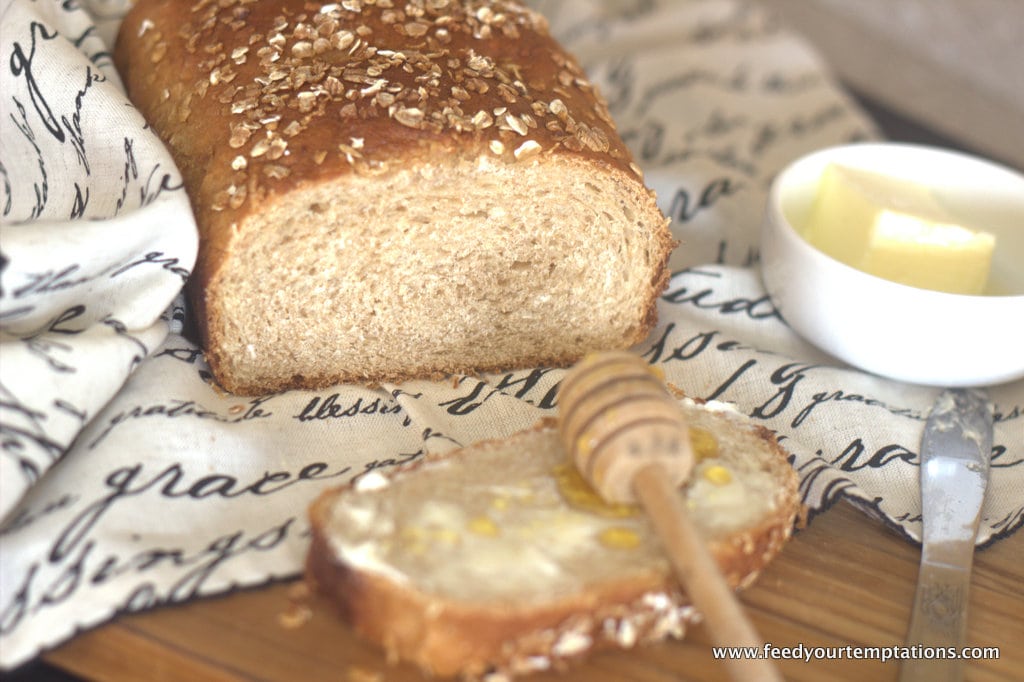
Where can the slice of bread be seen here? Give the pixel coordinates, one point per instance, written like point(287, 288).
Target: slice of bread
point(499, 559)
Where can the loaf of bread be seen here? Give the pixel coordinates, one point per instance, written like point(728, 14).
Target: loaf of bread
point(387, 190)
point(499, 559)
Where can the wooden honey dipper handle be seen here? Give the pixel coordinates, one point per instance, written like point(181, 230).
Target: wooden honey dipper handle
point(629, 440)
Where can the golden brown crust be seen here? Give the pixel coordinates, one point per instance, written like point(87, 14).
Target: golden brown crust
point(742, 556)
point(446, 638)
point(257, 99)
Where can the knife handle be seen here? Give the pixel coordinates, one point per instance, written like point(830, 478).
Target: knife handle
point(939, 620)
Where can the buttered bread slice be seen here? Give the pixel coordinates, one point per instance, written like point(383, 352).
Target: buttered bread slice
point(500, 559)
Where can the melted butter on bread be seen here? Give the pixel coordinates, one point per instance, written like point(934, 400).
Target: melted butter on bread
point(526, 513)
point(483, 561)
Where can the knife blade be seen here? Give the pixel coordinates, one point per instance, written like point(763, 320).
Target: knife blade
point(955, 453)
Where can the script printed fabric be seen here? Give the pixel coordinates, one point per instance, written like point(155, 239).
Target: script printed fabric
point(175, 490)
point(96, 236)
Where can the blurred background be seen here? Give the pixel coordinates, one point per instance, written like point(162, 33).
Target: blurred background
point(927, 70)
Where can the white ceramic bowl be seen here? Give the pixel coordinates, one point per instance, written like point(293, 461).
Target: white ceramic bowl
point(902, 332)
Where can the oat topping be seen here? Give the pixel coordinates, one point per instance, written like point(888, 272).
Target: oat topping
point(572, 643)
point(277, 72)
point(527, 150)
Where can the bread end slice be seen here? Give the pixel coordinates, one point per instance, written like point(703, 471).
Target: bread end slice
point(496, 559)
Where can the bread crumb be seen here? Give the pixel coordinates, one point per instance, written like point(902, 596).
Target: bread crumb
point(358, 674)
point(802, 516)
point(295, 616)
point(298, 611)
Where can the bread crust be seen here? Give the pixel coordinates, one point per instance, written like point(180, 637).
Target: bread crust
point(448, 639)
point(257, 100)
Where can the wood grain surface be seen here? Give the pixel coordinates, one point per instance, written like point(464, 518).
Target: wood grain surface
point(845, 580)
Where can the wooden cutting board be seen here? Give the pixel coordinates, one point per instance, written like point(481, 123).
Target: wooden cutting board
point(845, 581)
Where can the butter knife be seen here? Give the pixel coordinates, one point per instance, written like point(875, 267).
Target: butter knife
point(955, 453)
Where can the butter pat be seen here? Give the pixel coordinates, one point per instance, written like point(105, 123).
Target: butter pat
point(895, 229)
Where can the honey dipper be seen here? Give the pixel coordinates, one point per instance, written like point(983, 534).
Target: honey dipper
point(628, 437)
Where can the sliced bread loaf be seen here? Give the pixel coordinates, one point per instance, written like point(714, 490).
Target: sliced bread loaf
point(394, 190)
